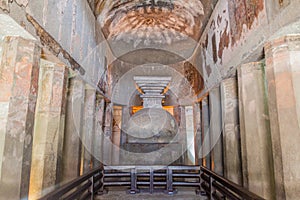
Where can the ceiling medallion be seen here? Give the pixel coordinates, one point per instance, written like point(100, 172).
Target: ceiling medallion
point(151, 21)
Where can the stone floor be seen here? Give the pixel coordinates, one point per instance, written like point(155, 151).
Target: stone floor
point(121, 195)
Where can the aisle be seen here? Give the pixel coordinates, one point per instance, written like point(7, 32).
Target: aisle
point(121, 195)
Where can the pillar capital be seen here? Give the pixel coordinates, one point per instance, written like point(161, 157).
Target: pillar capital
point(288, 42)
point(153, 89)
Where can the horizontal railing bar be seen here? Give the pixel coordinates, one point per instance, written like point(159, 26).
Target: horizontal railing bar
point(143, 182)
point(216, 196)
point(184, 167)
point(116, 174)
point(98, 177)
point(225, 192)
point(148, 174)
point(204, 177)
point(148, 183)
point(231, 185)
point(186, 183)
point(87, 196)
point(159, 183)
point(79, 191)
point(154, 167)
point(143, 174)
point(71, 185)
point(98, 187)
point(116, 183)
point(205, 188)
point(186, 175)
point(159, 174)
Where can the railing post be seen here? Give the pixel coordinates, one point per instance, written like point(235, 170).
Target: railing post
point(151, 180)
point(198, 191)
point(101, 190)
point(170, 181)
point(210, 187)
point(133, 188)
point(92, 187)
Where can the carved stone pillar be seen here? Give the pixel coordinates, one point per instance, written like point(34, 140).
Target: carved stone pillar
point(197, 130)
point(116, 134)
point(190, 135)
point(182, 132)
point(19, 71)
point(205, 147)
point(48, 129)
point(255, 130)
point(231, 131)
point(88, 127)
point(179, 115)
point(72, 138)
point(283, 75)
point(98, 136)
point(107, 142)
point(215, 131)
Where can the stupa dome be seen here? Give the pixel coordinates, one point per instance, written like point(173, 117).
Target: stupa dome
point(151, 125)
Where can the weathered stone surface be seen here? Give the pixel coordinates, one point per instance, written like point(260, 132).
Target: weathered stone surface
point(98, 136)
point(72, 24)
point(151, 125)
point(182, 137)
point(215, 130)
point(72, 140)
point(214, 44)
point(4, 5)
point(205, 146)
point(126, 112)
point(107, 140)
point(4, 105)
point(173, 149)
point(243, 13)
point(48, 129)
point(9, 27)
point(223, 50)
point(256, 143)
point(19, 85)
point(190, 135)
point(236, 33)
point(88, 129)
point(116, 133)
point(197, 130)
point(283, 75)
point(171, 153)
point(231, 131)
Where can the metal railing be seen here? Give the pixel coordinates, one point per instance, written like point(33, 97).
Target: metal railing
point(151, 178)
point(217, 187)
point(83, 187)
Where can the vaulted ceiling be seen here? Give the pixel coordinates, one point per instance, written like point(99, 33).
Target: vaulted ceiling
point(150, 21)
point(165, 32)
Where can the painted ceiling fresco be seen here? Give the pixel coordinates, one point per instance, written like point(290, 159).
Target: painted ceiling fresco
point(150, 21)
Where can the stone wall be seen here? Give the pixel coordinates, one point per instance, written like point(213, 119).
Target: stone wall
point(236, 33)
point(67, 28)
